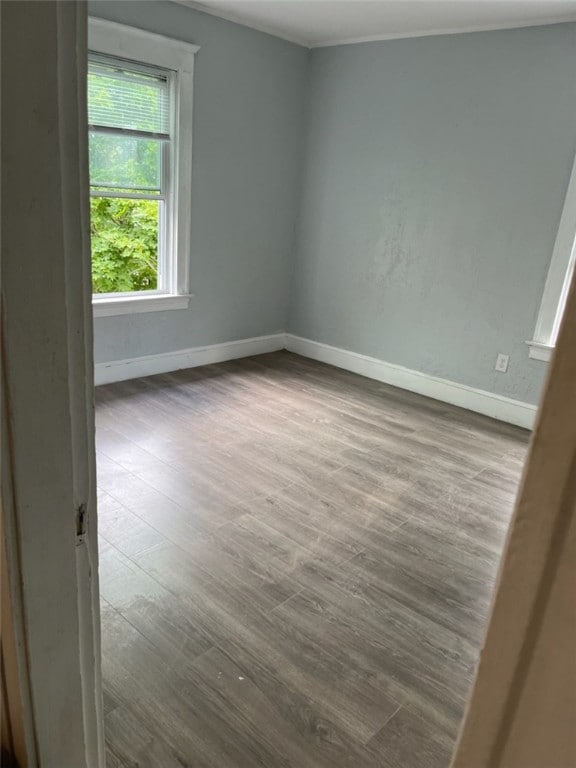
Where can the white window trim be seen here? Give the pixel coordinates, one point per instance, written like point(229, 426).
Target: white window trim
point(558, 279)
point(124, 42)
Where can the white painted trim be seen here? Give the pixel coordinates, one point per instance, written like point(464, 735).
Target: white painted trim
point(478, 400)
point(539, 351)
point(137, 304)
point(558, 278)
point(133, 368)
point(125, 41)
point(52, 502)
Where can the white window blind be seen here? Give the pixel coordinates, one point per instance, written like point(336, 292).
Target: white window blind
point(123, 99)
point(129, 118)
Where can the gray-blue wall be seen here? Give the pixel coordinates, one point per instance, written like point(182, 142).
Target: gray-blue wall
point(402, 196)
point(248, 130)
point(435, 174)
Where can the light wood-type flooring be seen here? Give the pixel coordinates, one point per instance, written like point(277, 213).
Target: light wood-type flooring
point(296, 565)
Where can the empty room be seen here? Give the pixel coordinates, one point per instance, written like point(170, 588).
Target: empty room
point(327, 253)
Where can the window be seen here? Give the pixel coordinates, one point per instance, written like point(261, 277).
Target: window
point(558, 279)
point(129, 117)
point(140, 129)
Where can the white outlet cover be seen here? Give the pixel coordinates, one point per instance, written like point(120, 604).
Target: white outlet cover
point(502, 363)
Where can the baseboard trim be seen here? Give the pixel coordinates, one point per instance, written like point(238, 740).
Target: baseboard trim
point(133, 368)
point(478, 400)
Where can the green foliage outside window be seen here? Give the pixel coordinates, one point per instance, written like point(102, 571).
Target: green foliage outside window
point(124, 236)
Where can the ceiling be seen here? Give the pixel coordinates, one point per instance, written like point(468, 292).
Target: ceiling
point(315, 23)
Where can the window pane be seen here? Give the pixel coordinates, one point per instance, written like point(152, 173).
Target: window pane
point(124, 236)
point(125, 162)
point(121, 98)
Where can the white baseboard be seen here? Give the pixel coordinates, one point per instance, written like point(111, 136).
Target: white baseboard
point(478, 400)
point(133, 368)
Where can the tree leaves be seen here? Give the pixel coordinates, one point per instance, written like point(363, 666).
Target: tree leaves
point(124, 236)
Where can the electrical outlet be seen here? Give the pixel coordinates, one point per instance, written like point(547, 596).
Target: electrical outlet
point(502, 363)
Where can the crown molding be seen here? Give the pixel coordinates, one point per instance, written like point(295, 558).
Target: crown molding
point(437, 32)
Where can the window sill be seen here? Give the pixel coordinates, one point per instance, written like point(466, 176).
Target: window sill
point(539, 351)
point(138, 304)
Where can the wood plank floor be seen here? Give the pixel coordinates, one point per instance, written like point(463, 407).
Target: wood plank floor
point(296, 565)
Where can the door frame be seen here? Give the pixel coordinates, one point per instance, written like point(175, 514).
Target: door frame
point(48, 456)
point(513, 713)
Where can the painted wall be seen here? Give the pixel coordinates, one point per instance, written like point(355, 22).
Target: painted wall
point(248, 130)
point(435, 174)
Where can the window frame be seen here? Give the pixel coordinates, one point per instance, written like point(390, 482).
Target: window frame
point(119, 41)
point(558, 279)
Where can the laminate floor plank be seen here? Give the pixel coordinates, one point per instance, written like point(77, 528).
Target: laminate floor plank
point(296, 566)
point(298, 736)
point(129, 533)
point(160, 616)
point(245, 626)
point(165, 725)
point(373, 635)
point(407, 739)
point(335, 508)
